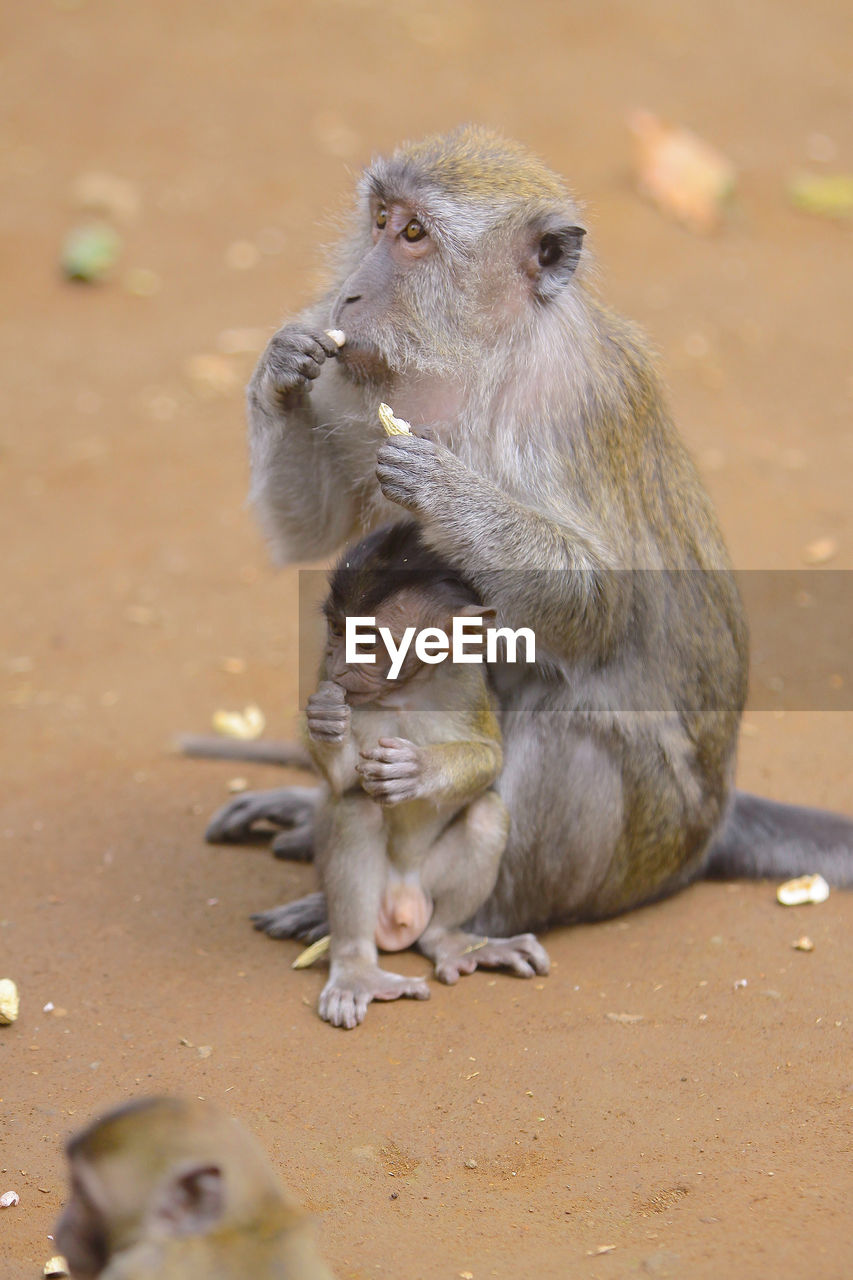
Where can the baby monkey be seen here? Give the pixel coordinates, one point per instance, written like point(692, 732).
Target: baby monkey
point(412, 832)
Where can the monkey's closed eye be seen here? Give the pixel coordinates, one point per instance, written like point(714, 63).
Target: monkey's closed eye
point(414, 231)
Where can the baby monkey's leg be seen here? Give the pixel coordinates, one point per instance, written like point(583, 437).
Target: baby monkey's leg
point(460, 874)
point(353, 868)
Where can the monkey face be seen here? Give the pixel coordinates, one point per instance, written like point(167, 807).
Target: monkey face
point(81, 1235)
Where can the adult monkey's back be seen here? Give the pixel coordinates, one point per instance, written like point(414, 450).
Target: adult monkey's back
point(553, 477)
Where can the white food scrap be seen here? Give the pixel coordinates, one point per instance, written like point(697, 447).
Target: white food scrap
point(56, 1268)
point(393, 426)
point(10, 1001)
point(794, 893)
point(245, 725)
point(803, 944)
point(307, 957)
point(8, 1199)
point(337, 335)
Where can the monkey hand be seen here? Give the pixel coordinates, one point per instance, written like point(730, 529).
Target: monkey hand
point(421, 474)
point(293, 358)
point(393, 771)
point(327, 713)
point(353, 984)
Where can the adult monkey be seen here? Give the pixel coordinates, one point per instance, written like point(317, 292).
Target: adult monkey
point(555, 479)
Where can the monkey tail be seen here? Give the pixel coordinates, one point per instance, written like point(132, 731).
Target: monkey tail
point(764, 839)
point(287, 754)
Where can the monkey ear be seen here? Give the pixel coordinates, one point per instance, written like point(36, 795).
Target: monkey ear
point(191, 1202)
point(553, 253)
point(484, 611)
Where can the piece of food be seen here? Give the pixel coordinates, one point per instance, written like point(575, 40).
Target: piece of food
point(684, 176)
point(89, 252)
point(307, 957)
point(829, 195)
point(246, 724)
point(393, 426)
point(337, 335)
point(10, 1002)
point(793, 893)
point(803, 944)
point(56, 1268)
point(9, 1199)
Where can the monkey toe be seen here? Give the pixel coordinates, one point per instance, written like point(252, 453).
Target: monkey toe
point(296, 844)
point(304, 918)
point(242, 819)
point(344, 1000)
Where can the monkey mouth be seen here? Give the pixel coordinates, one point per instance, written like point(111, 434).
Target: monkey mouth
point(362, 364)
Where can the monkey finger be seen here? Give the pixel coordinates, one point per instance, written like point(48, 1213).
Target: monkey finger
point(379, 769)
point(329, 691)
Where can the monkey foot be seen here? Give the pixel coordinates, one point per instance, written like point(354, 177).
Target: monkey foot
point(456, 954)
point(304, 918)
point(345, 997)
point(249, 816)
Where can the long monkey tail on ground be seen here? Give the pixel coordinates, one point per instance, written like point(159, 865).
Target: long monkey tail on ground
point(290, 755)
point(765, 839)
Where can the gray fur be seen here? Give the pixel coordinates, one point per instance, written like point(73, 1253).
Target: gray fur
point(550, 448)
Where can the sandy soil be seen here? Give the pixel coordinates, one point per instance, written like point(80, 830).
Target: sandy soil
point(504, 1128)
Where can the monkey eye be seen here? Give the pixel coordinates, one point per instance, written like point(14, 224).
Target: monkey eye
point(413, 231)
point(336, 630)
point(550, 250)
point(381, 218)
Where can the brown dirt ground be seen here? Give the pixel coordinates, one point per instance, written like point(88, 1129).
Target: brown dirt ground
point(713, 1136)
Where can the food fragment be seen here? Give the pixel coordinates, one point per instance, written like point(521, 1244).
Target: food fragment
point(793, 893)
point(246, 724)
point(683, 175)
point(56, 1268)
point(470, 1164)
point(10, 1001)
point(235, 785)
point(803, 944)
point(739, 984)
point(821, 550)
point(602, 1248)
point(8, 1199)
point(89, 252)
point(393, 426)
point(204, 1050)
point(337, 335)
point(627, 1018)
point(307, 957)
point(828, 195)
